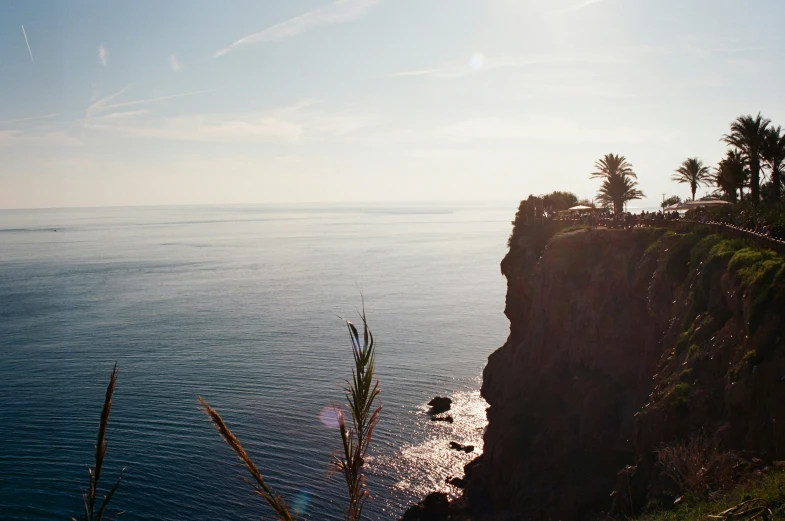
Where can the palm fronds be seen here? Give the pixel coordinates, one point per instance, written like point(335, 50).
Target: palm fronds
point(360, 395)
point(91, 496)
point(732, 174)
point(613, 165)
point(773, 154)
point(260, 486)
point(693, 172)
point(748, 134)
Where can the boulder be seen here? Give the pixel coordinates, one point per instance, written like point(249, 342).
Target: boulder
point(440, 404)
point(456, 482)
point(447, 419)
point(434, 507)
point(465, 448)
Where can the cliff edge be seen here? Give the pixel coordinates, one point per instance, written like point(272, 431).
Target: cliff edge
point(622, 341)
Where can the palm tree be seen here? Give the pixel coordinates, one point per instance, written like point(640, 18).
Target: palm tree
point(732, 174)
point(693, 172)
point(611, 165)
point(617, 191)
point(774, 158)
point(748, 134)
point(618, 182)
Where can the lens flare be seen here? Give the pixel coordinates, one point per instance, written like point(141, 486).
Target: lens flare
point(477, 61)
point(331, 416)
point(300, 502)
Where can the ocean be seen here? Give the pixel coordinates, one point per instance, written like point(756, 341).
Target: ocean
point(239, 304)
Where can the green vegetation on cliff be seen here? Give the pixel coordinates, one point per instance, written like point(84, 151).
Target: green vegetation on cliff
point(697, 254)
point(625, 345)
point(759, 495)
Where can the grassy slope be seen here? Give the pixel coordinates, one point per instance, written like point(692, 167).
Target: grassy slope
point(769, 487)
point(761, 272)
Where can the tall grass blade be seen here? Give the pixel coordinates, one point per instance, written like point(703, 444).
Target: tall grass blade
point(91, 496)
point(275, 501)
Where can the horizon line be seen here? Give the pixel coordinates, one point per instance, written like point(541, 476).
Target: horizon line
point(299, 203)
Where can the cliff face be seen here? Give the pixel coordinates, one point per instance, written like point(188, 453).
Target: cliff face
point(621, 341)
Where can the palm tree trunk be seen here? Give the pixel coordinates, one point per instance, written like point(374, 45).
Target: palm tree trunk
point(755, 179)
point(775, 181)
point(741, 194)
point(693, 191)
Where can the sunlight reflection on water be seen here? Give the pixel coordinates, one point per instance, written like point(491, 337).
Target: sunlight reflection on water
point(424, 467)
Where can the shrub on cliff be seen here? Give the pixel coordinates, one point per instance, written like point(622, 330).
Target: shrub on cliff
point(760, 497)
point(698, 466)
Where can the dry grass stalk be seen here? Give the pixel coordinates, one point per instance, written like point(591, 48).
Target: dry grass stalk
point(273, 499)
point(90, 497)
point(746, 511)
point(360, 394)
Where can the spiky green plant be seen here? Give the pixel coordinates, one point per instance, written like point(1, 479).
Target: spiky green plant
point(360, 394)
point(93, 512)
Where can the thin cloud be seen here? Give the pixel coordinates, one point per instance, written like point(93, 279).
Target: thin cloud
point(545, 128)
point(45, 139)
point(291, 124)
point(340, 11)
point(103, 107)
point(174, 63)
point(28, 44)
point(6, 136)
point(205, 127)
point(104, 104)
point(461, 70)
point(101, 103)
point(578, 7)
point(151, 100)
point(436, 73)
point(114, 116)
point(31, 118)
point(103, 55)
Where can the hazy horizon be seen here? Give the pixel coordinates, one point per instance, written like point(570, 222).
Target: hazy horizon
point(318, 101)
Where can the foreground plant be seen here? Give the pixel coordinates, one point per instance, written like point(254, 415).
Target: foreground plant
point(361, 392)
point(260, 486)
point(93, 512)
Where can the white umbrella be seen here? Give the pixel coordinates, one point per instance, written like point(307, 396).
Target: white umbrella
point(705, 202)
point(581, 207)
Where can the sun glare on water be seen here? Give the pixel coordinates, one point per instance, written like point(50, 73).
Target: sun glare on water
point(425, 467)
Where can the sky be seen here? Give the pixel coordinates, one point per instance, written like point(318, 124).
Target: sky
point(298, 101)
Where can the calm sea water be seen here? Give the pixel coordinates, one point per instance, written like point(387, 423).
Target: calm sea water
point(238, 304)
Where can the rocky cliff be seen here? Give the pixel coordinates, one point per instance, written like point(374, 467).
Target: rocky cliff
point(622, 341)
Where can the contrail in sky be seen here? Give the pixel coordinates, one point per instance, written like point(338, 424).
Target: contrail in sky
point(28, 44)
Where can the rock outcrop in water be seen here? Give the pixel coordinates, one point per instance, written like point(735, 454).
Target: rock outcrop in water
point(620, 341)
point(440, 404)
